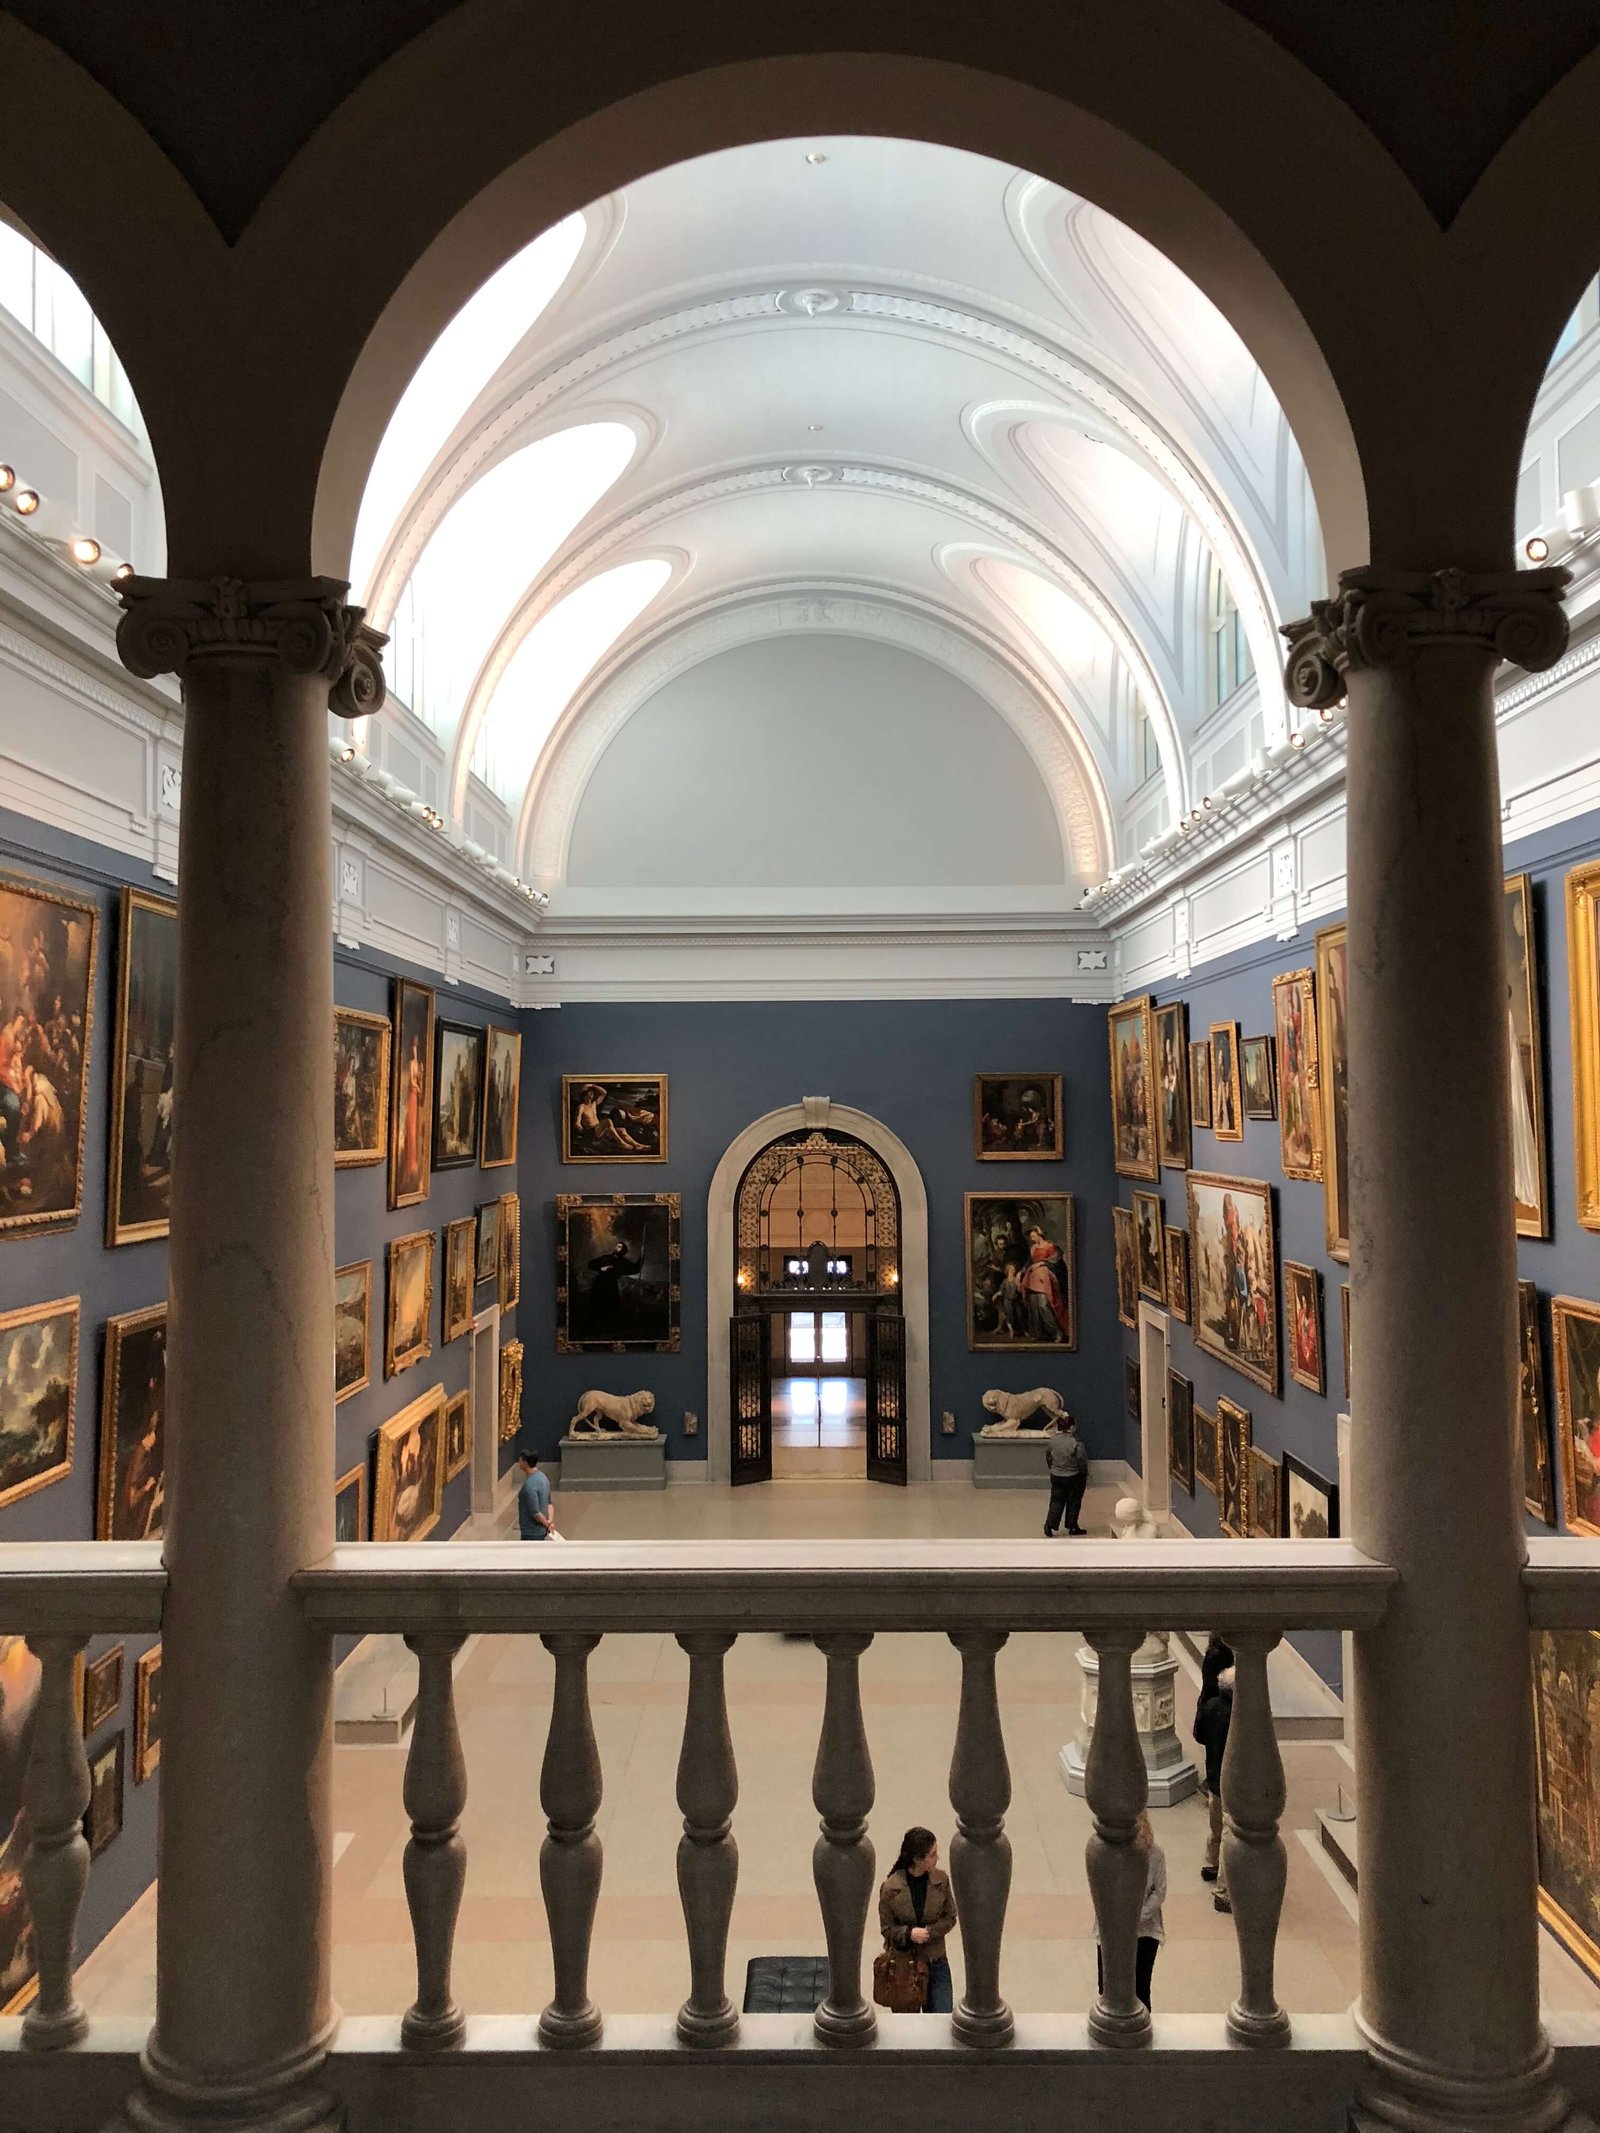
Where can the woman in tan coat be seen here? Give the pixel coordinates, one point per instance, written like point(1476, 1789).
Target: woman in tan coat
point(917, 1911)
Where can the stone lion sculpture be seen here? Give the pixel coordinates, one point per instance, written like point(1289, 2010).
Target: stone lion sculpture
point(614, 1414)
point(1016, 1410)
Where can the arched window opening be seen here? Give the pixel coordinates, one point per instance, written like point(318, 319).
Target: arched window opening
point(46, 302)
point(1229, 665)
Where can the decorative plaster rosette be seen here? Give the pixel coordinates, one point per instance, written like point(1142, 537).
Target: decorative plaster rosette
point(304, 623)
point(1386, 617)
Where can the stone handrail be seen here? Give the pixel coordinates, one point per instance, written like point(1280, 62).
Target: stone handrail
point(1562, 1581)
point(79, 1588)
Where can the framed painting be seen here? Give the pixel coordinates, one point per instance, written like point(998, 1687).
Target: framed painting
point(38, 1396)
point(411, 1095)
point(617, 1273)
point(409, 1483)
point(1017, 1118)
point(139, 1183)
point(1538, 1482)
point(460, 1255)
point(1333, 1071)
point(1575, 1339)
point(457, 1094)
point(47, 1015)
point(102, 1821)
point(1131, 1029)
point(1530, 1169)
point(1174, 1139)
point(1310, 1502)
point(1177, 1248)
point(457, 1434)
point(130, 1497)
point(1233, 1469)
point(510, 1268)
point(1022, 1285)
point(407, 1334)
point(360, 1088)
point(1302, 1303)
point(488, 1265)
point(1264, 1496)
point(1200, 1083)
point(352, 1329)
point(1566, 1726)
point(1233, 1270)
point(1132, 1399)
point(20, 1675)
point(350, 1505)
point(147, 1715)
point(613, 1118)
point(1227, 1102)
point(102, 1690)
point(1180, 1430)
point(510, 1390)
point(1294, 1023)
point(1344, 1331)
point(1126, 1265)
point(1206, 1449)
point(501, 1095)
point(1149, 1254)
point(1258, 1077)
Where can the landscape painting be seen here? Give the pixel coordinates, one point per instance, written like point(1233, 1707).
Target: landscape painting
point(410, 1471)
point(1529, 1167)
point(613, 1118)
point(1575, 1338)
point(1310, 1502)
point(360, 1088)
point(1294, 1021)
point(457, 1094)
point(1021, 1271)
point(407, 1337)
point(1333, 1068)
point(352, 1327)
point(460, 1251)
point(1173, 1135)
point(47, 960)
point(1133, 1132)
point(132, 1491)
point(500, 1098)
point(139, 1187)
point(411, 1099)
point(617, 1273)
point(1538, 1481)
point(1233, 1273)
point(1566, 1718)
point(38, 1396)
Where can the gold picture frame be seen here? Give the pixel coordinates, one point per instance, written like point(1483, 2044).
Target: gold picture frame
point(100, 1687)
point(352, 1329)
point(38, 1396)
point(510, 1251)
point(130, 1483)
point(510, 1390)
point(1566, 1679)
point(1126, 1263)
point(1264, 1496)
point(1583, 995)
point(147, 1715)
point(361, 1045)
point(457, 1435)
point(1233, 1468)
point(1333, 1070)
point(1018, 1118)
point(1302, 1306)
point(613, 1118)
point(1149, 1250)
point(408, 1316)
point(1530, 1156)
point(606, 1240)
point(409, 1474)
point(1294, 1026)
point(1206, 1447)
point(1130, 1035)
point(502, 1096)
point(1575, 1350)
point(1022, 1271)
point(1174, 1124)
point(1200, 1083)
point(139, 1178)
point(68, 929)
point(460, 1255)
point(1177, 1250)
point(1233, 1274)
point(1227, 1088)
point(411, 1095)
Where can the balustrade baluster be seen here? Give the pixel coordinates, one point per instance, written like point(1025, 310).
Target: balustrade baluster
point(1116, 1787)
point(435, 1859)
point(55, 1866)
point(1254, 1861)
point(980, 1850)
point(842, 1860)
point(570, 1857)
point(708, 1857)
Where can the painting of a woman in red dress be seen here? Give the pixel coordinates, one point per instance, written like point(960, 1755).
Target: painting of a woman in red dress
point(1044, 1302)
point(1019, 1271)
point(410, 1138)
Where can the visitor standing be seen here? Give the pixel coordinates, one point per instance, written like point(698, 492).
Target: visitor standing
point(1212, 1717)
point(1068, 1464)
point(1152, 1927)
point(535, 1519)
point(917, 1913)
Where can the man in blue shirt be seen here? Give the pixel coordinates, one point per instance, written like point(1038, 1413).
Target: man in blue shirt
point(535, 1520)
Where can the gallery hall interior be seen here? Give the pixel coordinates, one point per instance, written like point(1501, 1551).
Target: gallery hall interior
point(799, 1067)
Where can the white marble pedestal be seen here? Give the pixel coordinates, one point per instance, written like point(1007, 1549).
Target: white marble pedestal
point(1012, 1463)
point(1170, 1773)
point(613, 1463)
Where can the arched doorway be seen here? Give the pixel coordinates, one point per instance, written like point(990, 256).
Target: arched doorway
point(818, 1215)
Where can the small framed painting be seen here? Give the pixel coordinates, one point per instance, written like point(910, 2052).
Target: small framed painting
point(102, 1821)
point(410, 1471)
point(613, 1118)
point(407, 1331)
point(1177, 1248)
point(488, 1240)
point(1200, 1083)
point(1294, 1022)
point(1206, 1449)
point(350, 1506)
point(131, 1492)
point(1021, 1270)
point(1566, 1729)
point(38, 1396)
point(501, 1094)
point(47, 995)
point(1131, 1030)
point(1131, 1395)
point(352, 1329)
point(1538, 1481)
point(1017, 1118)
point(457, 1434)
point(1310, 1502)
point(510, 1390)
point(411, 1095)
point(1264, 1506)
point(1227, 1103)
point(457, 1094)
point(1233, 1262)
point(460, 1253)
point(1333, 1071)
point(1302, 1303)
point(1180, 1430)
point(510, 1250)
point(360, 1088)
point(1529, 1163)
point(1126, 1264)
point(147, 1715)
point(1148, 1251)
point(1174, 1141)
point(1257, 1072)
point(1575, 1338)
point(139, 1183)
point(1233, 1469)
point(102, 1689)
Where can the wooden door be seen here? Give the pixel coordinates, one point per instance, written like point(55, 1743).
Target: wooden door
point(886, 1399)
point(750, 1404)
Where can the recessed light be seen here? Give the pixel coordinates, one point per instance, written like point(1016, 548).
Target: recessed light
point(8, 479)
point(122, 573)
point(815, 155)
point(1537, 550)
point(84, 550)
point(27, 501)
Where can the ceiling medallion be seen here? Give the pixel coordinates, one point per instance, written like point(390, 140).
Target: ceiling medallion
point(810, 476)
point(810, 303)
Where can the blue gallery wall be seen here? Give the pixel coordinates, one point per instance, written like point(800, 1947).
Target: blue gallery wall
point(909, 1064)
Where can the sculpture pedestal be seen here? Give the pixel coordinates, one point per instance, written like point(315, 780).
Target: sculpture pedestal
point(1170, 1773)
point(1012, 1463)
point(613, 1463)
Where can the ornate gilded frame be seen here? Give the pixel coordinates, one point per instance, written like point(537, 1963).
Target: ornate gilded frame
point(1519, 892)
point(427, 1408)
point(1233, 1500)
point(1583, 993)
point(567, 1203)
point(146, 1753)
point(342, 1393)
point(1562, 1310)
point(1175, 1243)
point(461, 1405)
point(493, 1036)
point(63, 1217)
point(571, 1081)
point(1264, 1493)
point(1331, 942)
point(1148, 1205)
point(1125, 1254)
point(403, 988)
point(37, 1314)
point(1296, 1270)
point(118, 1231)
point(355, 1477)
point(1235, 1081)
point(510, 1251)
point(1255, 1189)
point(119, 1331)
point(1069, 1217)
point(1052, 1154)
point(462, 1232)
point(1143, 1008)
point(510, 1390)
point(358, 1158)
point(393, 1360)
point(1177, 1014)
point(1284, 986)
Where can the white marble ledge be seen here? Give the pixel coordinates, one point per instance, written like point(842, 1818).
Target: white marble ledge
point(816, 1586)
point(67, 1588)
point(1562, 1580)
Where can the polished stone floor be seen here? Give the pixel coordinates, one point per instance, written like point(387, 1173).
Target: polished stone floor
point(775, 1700)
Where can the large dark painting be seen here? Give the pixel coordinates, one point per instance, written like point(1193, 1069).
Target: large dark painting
point(1180, 1430)
point(613, 1118)
point(457, 1095)
point(140, 1188)
point(1538, 1480)
point(1575, 1335)
point(1233, 1274)
point(411, 1099)
point(1021, 1281)
point(617, 1272)
point(501, 1093)
point(47, 957)
point(1566, 1707)
point(1017, 1118)
point(19, 1699)
point(133, 1406)
point(38, 1394)
point(360, 1088)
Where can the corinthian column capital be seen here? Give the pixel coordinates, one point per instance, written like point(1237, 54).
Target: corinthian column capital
point(302, 623)
point(1387, 617)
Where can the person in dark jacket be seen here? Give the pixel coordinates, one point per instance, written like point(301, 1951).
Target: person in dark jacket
point(1067, 1462)
point(1212, 1717)
point(917, 1911)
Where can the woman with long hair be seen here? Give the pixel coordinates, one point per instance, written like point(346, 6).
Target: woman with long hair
point(1152, 1927)
point(917, 1912)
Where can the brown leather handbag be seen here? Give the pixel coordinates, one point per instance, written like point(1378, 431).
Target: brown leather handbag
point(900, 1980)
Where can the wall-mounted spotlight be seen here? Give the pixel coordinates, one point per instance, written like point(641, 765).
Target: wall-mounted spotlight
point(1327, 715)
point(27, 501)
point(1297, 740)
point(84, 549)
point(8, 479)
point(1536, 549)
point(122, 573)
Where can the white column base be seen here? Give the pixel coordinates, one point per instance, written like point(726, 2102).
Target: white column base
point(290, 2098)
point(1400, 2094)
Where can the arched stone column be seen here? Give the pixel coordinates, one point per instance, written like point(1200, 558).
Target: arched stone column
point(814, 1114)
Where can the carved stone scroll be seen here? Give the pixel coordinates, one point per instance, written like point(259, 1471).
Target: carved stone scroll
point(303, 623)
point(1386, 617)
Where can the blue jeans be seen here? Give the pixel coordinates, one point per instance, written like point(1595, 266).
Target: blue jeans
point(940, 1999)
